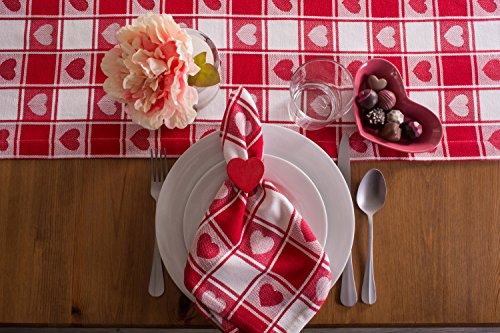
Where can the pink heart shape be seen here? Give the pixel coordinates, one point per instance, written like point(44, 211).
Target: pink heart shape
point(352, 5)
point(419, 6)
point(283, 5)
point(488, 5)
point(80, 5)
point(213, 4)
point(140, 139)
point(147, 4)
point(206, 248)
point(423, 71)
point(433, 130)
point(492, 69)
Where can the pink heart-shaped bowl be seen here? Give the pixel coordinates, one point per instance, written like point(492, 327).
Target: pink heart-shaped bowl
point(432, 129)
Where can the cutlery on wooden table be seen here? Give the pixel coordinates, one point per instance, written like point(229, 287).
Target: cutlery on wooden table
point(159, 171)
point(348, 293)
point(371, 196)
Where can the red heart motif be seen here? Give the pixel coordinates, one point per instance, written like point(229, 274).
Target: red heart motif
point(488, 5)
point(433, 129)
point(284, 69)
point(8, 69)
point(12, 5)
point(75, 68)
point(353, 67)
point(495, 139)
point(70, 139)
point(206, 248)
point(213, 4)
point(492, 69)
point(283, 5)
point(140, 139)
point(245, 174)
point(4, 135)
point(418, 6)
point(306, 231)
point(357, 143)
point(80, 5)
point(422, 71)
point(268, 296)
point(147, 4)
point(352, 5)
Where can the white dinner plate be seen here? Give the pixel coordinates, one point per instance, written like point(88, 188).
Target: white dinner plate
point(280, 142)
point(288, 179)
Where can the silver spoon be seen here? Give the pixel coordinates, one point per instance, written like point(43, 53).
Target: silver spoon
point(370, 198)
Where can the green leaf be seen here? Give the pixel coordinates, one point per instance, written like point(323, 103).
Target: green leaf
point(206, 77)
point(200, 59)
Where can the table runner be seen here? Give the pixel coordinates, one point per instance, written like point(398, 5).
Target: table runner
point(53, 105)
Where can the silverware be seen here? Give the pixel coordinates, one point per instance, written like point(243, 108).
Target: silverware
point(371, 198)
point(159, 171)
point(348, 293)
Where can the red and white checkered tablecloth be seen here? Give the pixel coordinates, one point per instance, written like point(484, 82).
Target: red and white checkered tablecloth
point(53, 105)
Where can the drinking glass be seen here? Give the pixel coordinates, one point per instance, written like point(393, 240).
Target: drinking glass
point(203, 43)
point(321, 91)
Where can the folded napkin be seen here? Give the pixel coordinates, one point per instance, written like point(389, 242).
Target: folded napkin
point(254, 265)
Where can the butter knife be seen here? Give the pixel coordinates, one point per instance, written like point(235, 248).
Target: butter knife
point(348, 294)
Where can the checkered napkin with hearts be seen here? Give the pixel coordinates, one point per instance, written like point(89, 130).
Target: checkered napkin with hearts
point(254, 265)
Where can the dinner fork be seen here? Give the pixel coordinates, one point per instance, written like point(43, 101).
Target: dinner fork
point(159, 171)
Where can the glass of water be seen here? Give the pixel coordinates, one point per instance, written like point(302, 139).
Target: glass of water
point(321, 91)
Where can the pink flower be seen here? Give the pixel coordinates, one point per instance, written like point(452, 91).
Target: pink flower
point(148, 70)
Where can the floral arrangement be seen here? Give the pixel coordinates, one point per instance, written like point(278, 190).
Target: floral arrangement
point(153, 71)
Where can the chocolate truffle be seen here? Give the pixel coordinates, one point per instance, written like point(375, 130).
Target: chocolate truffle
point(390, 132)
point(375, 118)
point(411, 130)
point(375, 83)
point(386, 99)
point(395, 116)
point(367, 99)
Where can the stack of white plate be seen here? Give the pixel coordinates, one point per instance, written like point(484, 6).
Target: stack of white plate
point(299, 168)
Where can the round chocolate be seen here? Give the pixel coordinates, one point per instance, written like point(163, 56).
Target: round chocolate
point(411, 130)
point(367, 98)
point(375, 118)
point(395, 116)
point(375, 83)
point(390, 132)
point(386, 99)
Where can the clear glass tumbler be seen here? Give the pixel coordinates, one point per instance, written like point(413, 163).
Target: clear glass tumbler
point(203, 43)
point(321, 91)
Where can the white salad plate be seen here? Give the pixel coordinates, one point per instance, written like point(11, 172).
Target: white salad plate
point(280, 142)
point(288, 179)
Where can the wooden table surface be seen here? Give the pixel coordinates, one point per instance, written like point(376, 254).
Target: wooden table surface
point(76, 241)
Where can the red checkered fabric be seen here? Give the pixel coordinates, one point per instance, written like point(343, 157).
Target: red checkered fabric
point(254, 265)
point(53, 105)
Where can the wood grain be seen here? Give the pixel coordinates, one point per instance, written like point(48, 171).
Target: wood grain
point(76, 245)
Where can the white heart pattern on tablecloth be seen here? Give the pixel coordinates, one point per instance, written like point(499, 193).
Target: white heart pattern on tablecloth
point(109, 34)
point(38, 104)
point(260, 244)
point(321, 106)
point(318, 36)
point(454, 36)
point(44, 34)
point(107, 105)
point(222, 193)
point(247, 34)
point(386, 37)
point(459, 105)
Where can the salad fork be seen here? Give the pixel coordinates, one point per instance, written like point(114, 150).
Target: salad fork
point(159, 171)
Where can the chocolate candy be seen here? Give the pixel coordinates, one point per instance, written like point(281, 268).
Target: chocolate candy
point(395, 116)
point(391, 132)
point(367, 98)
point(375, 83)
point(375, 118)
point(411, 130)
point(386, 99)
